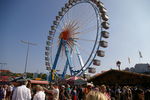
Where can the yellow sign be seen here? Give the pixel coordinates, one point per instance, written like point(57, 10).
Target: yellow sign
point(38, 79)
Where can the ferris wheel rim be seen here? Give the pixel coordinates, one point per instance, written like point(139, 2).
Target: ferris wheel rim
point(86, 66)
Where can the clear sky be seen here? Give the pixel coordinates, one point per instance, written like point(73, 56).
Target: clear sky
point(30, 20)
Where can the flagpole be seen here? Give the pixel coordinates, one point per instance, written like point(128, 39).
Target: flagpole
point(139, 60)
point(129, 62)
point(140, 56)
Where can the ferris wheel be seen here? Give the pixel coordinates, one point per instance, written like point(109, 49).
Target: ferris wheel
point(77, 38)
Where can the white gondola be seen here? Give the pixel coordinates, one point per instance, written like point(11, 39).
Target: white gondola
point(70, 2)
point(95, 1)
point(103, 10)
point(103, 44)
point(100, 53)
point(104, 16)
point(100, 4)
point(46, 58)
point(51, 33)
point(67, 5)
point(60, 13)
point(47, 48)
point(92, 70)
point(57, 18)
point(55, 22)
point(53, 27)
point(47, 53)
point(48, 68)
point(105, 25)
point(49, 37)
point(96, 62)
point(48, 43)
point(63, 9)
point(47, 63)
point(105, 34)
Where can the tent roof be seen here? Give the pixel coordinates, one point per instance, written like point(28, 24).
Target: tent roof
point(74, 78)
point(113, 77)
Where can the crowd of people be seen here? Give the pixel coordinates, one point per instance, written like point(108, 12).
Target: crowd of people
point(25, 91)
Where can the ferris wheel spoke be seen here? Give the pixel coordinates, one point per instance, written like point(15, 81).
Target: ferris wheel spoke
point(70, 44)
point(87, 19)
point(88, 30)
point(86, 23)
point(59, 29)
point(66, 19)
point(86, 40)
point(79, 14)
point(80, 47)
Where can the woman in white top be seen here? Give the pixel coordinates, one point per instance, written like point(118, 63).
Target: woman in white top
point(40, 95)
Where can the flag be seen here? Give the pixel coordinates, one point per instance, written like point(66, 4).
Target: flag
point(129, 61)
point(140, 54)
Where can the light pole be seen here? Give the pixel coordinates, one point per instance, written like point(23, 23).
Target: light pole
point(28, 44)
point(118, 63)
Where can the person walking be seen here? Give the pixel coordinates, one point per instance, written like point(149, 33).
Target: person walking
point(22, 92)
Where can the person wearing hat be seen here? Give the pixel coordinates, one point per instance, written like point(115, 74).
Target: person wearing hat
point(22, 92)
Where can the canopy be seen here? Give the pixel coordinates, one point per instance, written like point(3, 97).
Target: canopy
point(76, 80)
point(73, 78)
point(38, 82)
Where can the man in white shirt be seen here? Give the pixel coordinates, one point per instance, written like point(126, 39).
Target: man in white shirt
point(22, 92)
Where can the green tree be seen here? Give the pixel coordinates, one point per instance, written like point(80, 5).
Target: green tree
point(44, 76)
point(30, 75)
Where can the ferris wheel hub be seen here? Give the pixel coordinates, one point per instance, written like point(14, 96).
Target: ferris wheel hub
point(65, 35)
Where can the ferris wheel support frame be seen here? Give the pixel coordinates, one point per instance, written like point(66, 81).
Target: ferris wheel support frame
point(65, 70)
point(57, 55)
point(79, 57)
point(68, 55)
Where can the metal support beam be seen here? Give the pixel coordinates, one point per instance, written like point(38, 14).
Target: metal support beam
point(57, 55)
point(68, 55)
point(79, 57)
point(65, 70)
point(51, 74)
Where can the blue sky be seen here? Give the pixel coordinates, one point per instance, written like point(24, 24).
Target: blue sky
point(30, 20)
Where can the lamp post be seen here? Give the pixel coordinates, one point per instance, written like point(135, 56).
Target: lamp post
point(28, 44)
point(118, 63)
